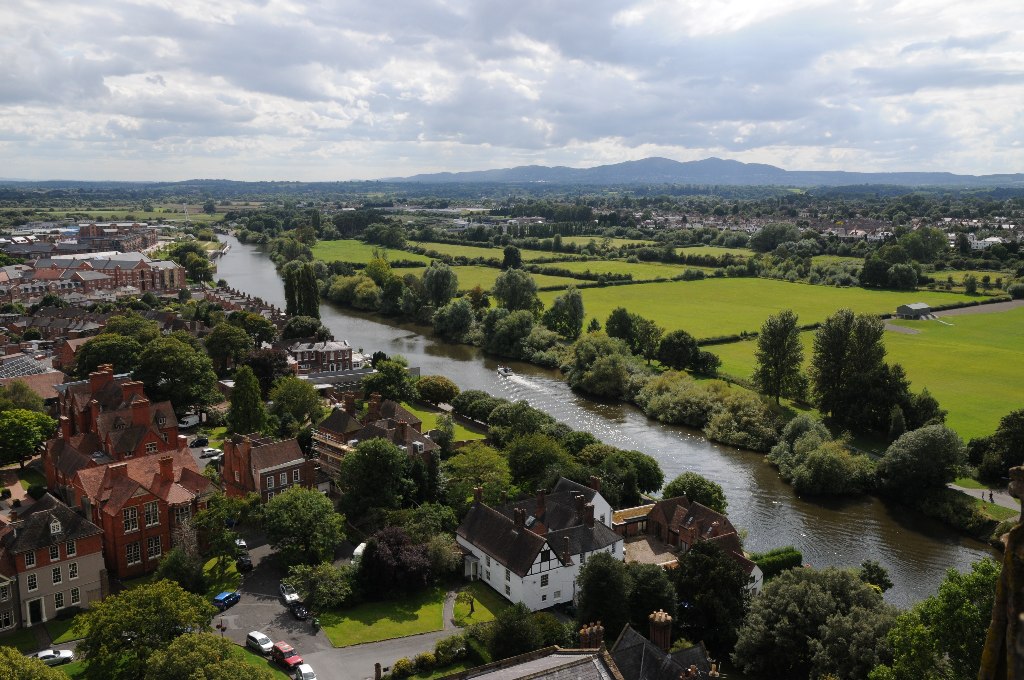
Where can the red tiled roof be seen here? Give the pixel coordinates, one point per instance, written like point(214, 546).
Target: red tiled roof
point(40, 383)
point(103, 485)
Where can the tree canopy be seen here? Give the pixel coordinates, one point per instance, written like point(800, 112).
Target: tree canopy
point(173, 371)
point(21, 433)
point(203, 656)
point(302, 526)
point(780, 356)
point(247, 413)
point(697, 488)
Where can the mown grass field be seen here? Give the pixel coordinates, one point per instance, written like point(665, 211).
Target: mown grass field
point(641, 271)
point(455, 250)
point(600, 240)
point(484, 277)
point(375, 621)
point(958, 275)
point(195, 214)
point(714, 307)
point(486, 605)
point(833, 259)
point(975, 368)
point(429, 417)
point(714, 250)
point(350, 250)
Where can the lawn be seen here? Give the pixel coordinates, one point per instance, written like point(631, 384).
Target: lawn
point(350, 250)
point(486, 605)
point(230, 581)
point(29, 476)
point(23, 638)
point(66, 630)
point(375, 621)
point(470, 276)
point(75, 669)
point(725, 306)
point(641, 271)
point(429, 417)
point(216, 436)
point(969, 483)
point(833, 259)
point(602, 240)
point(455, 250)
point(974, 367)
point(714, 250)
point(996, 512)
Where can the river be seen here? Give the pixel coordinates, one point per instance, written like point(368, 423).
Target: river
point(915, 550)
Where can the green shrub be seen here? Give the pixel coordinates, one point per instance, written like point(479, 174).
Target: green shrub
point(36, 491)
point(450, 649)
point(403, 668)
point(774, 562)
point(1016, 291)
point(425, 661)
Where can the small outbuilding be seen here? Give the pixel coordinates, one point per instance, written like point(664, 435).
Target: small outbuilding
point(914, 310)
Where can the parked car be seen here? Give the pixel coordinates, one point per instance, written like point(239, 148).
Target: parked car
point(201, 440)
point(244, 562)
point(258, 642)
point(285, 655)
point(288, 593)
point(305, 672)
point(187, 421)
point(211, 453)
point(299, 611)
point(54, 657)
point(241, 544)
point(224, 600)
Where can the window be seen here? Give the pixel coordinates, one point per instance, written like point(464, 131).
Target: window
point(295, 476)
point(508, 575)
point(150, 447)
point(488, 558)
point(55, 527)
point(558, 594)
point(6, 619)
point(284, 478)
point(487, 573)
point(152, 510)
point(583, 558)
point(602, 519)
point(182, 514)
point(71, 548)
point(131, 519)
point(270, 481)
point(543, 598)
point(508, 591)
point(133, 554)
point(32, 582)
point(76, 596)
point(153, 547)
point(270, 494)
point(58, 600)
point(544, 581)
point(30, 558)
point(54, 553)
point(56, 575)
point(545, 555)
point(73, 570)
point(5, 592)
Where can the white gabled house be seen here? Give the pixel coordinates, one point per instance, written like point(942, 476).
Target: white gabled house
point(531, 551)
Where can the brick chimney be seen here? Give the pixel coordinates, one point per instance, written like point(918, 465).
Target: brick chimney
point(348, 401)
point(94, 414)
point(65, 428)
point(373, 411)
point(565, 550)
point(133, 388)
point(182, 441)
point(402, 430)
point(595, 483)
point(478, 494)
point(101, 377)
point(579, 500)
point(519, 517)
point(540, 502)
point(118, 470)
point(588, 515)
point(140, 412)
point(167, 468)
point(661, 629)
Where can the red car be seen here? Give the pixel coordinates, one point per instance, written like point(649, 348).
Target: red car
point(284, 654)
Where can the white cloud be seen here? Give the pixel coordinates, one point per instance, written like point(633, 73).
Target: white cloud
point(320, 89)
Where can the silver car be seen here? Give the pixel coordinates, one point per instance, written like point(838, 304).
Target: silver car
point(258, 642)
point(54, 657)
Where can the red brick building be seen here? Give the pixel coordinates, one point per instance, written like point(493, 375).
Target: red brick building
point(138, 504)
point(264, 466)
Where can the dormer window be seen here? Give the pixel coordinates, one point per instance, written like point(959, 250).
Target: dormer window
point(55, 527)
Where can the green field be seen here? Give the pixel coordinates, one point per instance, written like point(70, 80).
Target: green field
point(974, 368)
point(486, 605)
point(121, 215)
point(641, 271)
point(429, 417)
point(601, 240)
point(834, 259)
point(350, 250)
point(958, 275)
point(455, 250)
point(714, 307)
point(714, 250)
point(475, 275)
point(421, 612)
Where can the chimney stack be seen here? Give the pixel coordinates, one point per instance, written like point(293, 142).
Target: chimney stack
point(478, 494)
point(65, 428)
point(140, 412)
point(504, 496)
point(661, 629)
point(588, 515)
point(167, 468)
point(565, 550)
point(373, 412)
point(595, 483)
point(403, 431)
point(94, 414)
point(182, 441)
point(519, 517)
point(579, 499)
point(540, 502)
point(349, 403)
point(120, 470)
point(101, 377)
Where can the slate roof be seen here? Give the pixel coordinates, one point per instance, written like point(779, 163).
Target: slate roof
point(339, 422)
point(559, 506)
point(583, 539)
point(277, 453)
point(637, 658)
point(394, 411)
point(495, 534)
point(550, 663)
point(34, 531)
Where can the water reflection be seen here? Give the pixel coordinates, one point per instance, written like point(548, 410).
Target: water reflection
point(915, 550)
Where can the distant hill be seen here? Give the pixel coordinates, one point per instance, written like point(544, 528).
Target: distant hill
point(714, 171)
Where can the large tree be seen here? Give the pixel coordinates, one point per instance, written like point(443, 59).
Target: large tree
point(21, 433)
point(125, 630)
point(392, 562)
point(515, 631)
point(297, 400)
point(247, 414)
point(516, 290)
point(305, 327)
point(713, 586)
point(566, 314)
point(17, 394)
point(677, 350)
point(440, 283)
point(921, 460)
point(474, 465)
point(259, 328)
point(454, 320)
point(512, 258)
point(780, 356)
point(437, 389)
point(131, 325)
point(373, 476)
point(391, 380)
point(650, 589)
point(227, 344)
point(16, 666)
point(302, 526)
point(120, 352)
point(535, 459)
point(322, 586)
point(268, 365)
point(697, 488)
point(203, 656)
point(173, 371)
point(603, 587)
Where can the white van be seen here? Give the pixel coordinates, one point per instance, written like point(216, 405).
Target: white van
point(357, 554)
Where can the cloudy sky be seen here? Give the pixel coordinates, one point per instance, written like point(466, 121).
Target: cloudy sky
point(329, 90)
